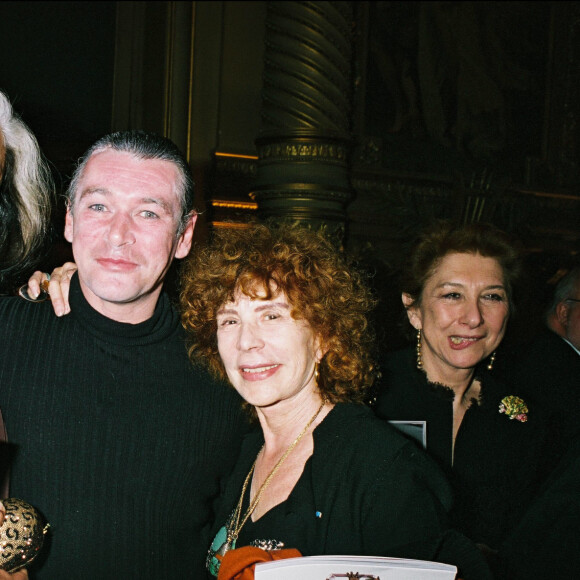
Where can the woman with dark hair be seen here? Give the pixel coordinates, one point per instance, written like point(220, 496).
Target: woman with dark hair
point(457, 291)
point(278, 313)
point(26, 191)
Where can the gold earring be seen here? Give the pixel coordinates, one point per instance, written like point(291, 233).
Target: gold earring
point(316, 373)
point(419, 359)
point(491, 361)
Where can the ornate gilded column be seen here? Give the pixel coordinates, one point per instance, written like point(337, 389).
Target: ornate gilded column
point(303, 146)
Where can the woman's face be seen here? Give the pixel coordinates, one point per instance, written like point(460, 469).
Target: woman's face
point(269, 356)
point(463, 313)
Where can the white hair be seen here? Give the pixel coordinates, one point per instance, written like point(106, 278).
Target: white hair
point(26, 190)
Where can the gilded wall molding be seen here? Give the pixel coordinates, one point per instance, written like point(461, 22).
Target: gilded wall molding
point(299, 150)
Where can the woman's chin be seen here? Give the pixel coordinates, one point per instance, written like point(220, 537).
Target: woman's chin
point(464, 360)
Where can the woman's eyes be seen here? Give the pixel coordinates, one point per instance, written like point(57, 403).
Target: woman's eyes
point(452, 295)
point(234, 321)
point(495, 297)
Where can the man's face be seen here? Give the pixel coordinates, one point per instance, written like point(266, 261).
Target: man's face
point(123, 229)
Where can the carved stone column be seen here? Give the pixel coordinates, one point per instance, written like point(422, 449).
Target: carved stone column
point(303, 146)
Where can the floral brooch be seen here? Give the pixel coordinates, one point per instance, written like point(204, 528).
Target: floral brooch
point(514, 408)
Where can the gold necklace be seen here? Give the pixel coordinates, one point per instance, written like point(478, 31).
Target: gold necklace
point(236, 526)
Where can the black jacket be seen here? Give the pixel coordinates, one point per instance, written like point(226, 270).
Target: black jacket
point(495, 472)
point(366, 490)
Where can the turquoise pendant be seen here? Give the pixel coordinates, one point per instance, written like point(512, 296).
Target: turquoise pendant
point(217, 550)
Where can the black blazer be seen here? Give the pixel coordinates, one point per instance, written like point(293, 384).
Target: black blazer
point(495, 472)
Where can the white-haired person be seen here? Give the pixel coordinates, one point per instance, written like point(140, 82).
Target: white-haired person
point(26, 190)
point(25, 201)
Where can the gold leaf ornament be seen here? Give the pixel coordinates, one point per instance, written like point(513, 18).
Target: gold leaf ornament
point(514, 408)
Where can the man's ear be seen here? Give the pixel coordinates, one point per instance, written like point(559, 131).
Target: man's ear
point(413, 311)
point(185, 238)
point(562, 311)
point(68, 225)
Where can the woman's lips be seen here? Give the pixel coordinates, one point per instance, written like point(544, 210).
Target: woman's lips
point(461, 342)
point(258, 373)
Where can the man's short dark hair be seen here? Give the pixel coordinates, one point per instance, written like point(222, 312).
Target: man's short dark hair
point(143, 145)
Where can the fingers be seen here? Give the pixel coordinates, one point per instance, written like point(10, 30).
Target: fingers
point(34, 283)
point(59, 286)
point(56, 284)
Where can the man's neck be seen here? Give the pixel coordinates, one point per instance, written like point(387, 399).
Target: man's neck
point(133, 312)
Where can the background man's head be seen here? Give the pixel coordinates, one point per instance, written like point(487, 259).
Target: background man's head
point(565, 308)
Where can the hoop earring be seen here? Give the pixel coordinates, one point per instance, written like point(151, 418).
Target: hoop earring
point(491, 361)
point(419, 358)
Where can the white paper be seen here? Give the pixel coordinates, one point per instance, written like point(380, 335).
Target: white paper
point(345, 568)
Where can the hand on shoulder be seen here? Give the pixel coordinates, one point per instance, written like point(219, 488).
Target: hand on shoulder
point(57, 285)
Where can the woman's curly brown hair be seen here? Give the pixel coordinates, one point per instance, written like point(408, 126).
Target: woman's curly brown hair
point(321, 287)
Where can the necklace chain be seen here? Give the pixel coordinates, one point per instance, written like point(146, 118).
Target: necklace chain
point(236, 526)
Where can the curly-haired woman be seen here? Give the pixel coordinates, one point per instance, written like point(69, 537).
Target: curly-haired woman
point(279, 313)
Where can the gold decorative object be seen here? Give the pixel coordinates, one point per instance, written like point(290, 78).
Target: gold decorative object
point(21, 534)
point(418, 349)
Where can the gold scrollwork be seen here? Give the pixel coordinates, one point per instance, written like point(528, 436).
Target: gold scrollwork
point(294, 151)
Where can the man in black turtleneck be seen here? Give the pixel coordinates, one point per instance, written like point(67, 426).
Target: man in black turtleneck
point(122, 442)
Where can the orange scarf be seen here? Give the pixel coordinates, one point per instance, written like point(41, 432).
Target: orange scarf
point(239, 564)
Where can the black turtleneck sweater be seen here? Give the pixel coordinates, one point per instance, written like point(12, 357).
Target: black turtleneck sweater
point(121, 442)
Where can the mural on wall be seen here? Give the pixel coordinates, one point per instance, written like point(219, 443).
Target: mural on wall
point(457, 85)
point(466, 111)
